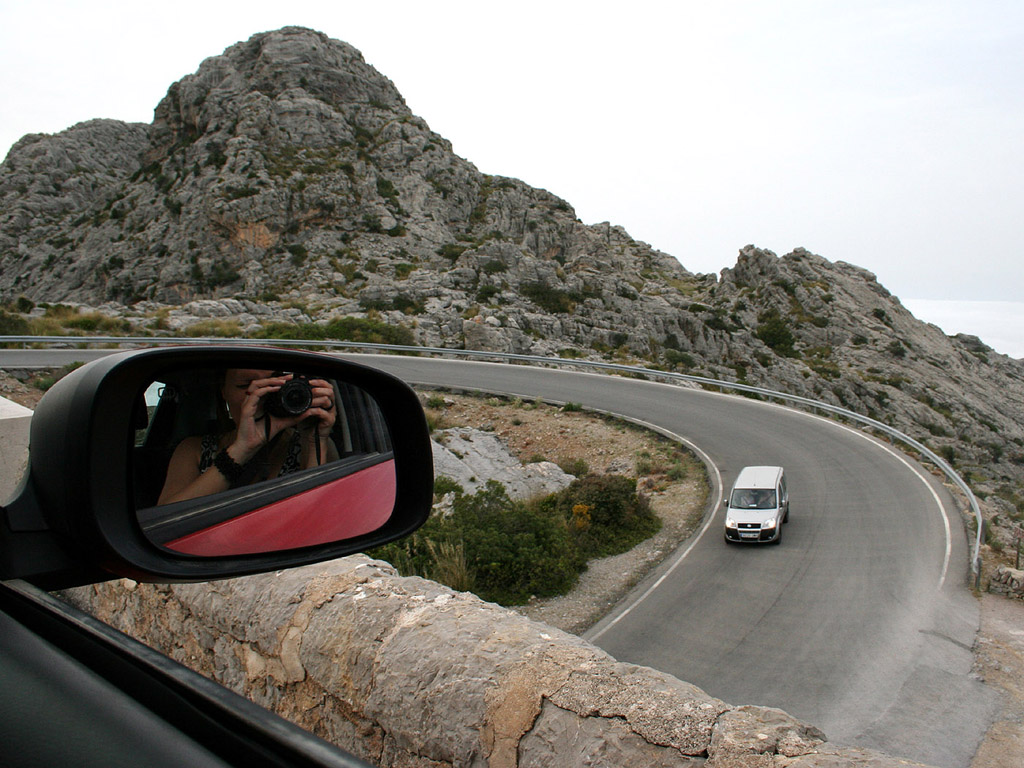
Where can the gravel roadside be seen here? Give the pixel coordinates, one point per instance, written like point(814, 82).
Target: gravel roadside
point(999, 661)
point(671, 477)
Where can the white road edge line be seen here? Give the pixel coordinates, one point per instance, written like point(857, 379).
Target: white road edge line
point(938, 502)
point(718, 481)
point(944, 513)
point(711, 517)
point(918, 472)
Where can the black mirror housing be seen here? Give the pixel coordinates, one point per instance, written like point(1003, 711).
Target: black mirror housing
point(77, 518)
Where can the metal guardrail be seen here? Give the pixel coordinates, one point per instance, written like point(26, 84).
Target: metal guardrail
point(893, 433)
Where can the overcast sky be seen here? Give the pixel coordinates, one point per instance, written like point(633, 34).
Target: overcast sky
point(886, 133)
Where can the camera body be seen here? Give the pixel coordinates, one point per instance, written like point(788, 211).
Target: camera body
point(292, 399)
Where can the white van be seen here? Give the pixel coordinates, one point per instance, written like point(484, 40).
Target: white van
point(757, 506)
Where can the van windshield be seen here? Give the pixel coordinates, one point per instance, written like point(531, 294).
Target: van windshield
point(753, 498)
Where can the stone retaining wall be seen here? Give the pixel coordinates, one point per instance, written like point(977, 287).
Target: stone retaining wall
point(1007, 581)
point(405, 672)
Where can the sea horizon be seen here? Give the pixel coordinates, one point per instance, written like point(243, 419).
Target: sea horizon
point(999, 324)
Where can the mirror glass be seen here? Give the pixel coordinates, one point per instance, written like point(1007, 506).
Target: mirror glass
point(235, 461)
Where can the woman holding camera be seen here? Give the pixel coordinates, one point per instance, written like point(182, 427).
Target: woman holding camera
point(279, 423)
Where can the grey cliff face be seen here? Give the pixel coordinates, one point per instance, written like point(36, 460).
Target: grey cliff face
point(287, 180)
point(288, 168)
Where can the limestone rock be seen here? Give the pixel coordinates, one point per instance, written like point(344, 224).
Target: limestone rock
point(746, 732)
point(471, 457)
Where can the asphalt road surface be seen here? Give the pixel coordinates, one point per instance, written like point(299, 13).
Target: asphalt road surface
point(859, 622)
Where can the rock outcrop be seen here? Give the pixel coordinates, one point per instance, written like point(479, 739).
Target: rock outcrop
point(471, 457)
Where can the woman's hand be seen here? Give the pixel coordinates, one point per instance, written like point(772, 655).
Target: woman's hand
point(255, 428)
point(321, 408)
point(316, 425)
point(253, 431)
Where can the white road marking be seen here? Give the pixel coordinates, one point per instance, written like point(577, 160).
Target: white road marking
point(718, 482)
point(682, 556)
point(903, 460)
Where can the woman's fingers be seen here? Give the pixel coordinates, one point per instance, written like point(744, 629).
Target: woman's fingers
point(321, 409)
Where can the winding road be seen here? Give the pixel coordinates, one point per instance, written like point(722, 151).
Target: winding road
point(859, 623)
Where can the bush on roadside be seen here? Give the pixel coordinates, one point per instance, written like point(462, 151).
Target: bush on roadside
point(616, 517)
point(511, 550)
point(507, 551)
point(343, 329)
point(12, 324)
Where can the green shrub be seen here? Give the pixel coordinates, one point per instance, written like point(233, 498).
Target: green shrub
point(679, 359)
point(436, 401)
point(343, 329)
point(386, 189)
point(774, 331)
point(222, 273)
point(93, 322)
point(486, 293)
point(577, 467)
point(46, 380)
point(408, 305)
point(618, 339)
point(618, 518)
point(512, 551)
point(548, 298)
point(232, 192)
point(451, 251)
point(507, 551)
point(228, 329)
point(12, 325)
point(444, 485)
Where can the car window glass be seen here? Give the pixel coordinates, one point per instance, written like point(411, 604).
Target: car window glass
point(322, 445)
point(753, 498)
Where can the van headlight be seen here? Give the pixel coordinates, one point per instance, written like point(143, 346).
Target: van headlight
point(768, 524)
point(730, 523)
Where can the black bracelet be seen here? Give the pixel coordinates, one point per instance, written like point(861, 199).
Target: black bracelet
point(228, 467)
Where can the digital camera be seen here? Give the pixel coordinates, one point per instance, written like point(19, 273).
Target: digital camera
point(292, 399)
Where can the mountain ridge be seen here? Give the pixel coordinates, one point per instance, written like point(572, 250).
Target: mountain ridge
point(288, 174)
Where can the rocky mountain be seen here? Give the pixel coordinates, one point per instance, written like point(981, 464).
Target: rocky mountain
point(287, 180)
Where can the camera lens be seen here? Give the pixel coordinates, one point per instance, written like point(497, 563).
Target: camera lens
point(293, 399)
point(296, 396)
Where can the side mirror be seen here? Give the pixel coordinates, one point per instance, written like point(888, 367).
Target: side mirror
point(124, 474)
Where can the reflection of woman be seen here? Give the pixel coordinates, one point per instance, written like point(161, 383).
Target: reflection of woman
point(257, 445)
